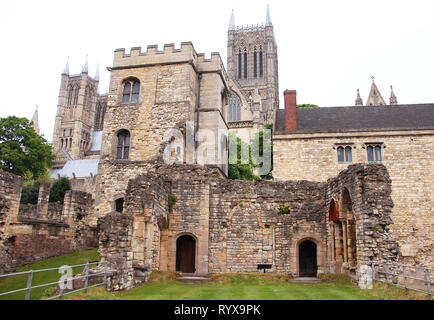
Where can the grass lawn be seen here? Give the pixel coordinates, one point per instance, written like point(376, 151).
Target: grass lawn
point(18, 282)
point(164, 286)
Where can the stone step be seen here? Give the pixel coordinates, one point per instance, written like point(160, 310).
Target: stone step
point(191, 277)
point(305, 280)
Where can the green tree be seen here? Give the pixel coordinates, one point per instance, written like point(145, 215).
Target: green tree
point(58, 190)
point(307, 105)
point(30, 192)
point(237, 169)
point(22, 151)
point(265, 150)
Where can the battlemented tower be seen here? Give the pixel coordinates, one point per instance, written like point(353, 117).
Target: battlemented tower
point(75, 118)
point(253, 65)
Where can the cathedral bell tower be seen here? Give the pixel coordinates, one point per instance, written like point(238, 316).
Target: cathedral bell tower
point(74, 122)
point(252, 64)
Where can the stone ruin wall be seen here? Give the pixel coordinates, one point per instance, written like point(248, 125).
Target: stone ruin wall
point(33, 232)
point(237, 224)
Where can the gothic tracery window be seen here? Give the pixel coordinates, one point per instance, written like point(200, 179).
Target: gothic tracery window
point(234, 107)
point(123, 145)
point(131, 91)
point(70, 92)
point(76, 90)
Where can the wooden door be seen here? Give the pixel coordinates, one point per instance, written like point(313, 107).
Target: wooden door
point(185, 254)
point(307, 259)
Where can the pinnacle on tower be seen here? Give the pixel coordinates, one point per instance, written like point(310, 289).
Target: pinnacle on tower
point(97, 73)
point(66, 71)
point(393, 99)
point(268, 18)
point(359, 101)
point(232, 22)
point(35, 121)
point(85, 67)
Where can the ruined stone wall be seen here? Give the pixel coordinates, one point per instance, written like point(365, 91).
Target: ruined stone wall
point(247, 228)
point(43, 230)
point(10, 194)
point(407, 156)
point(369, 188)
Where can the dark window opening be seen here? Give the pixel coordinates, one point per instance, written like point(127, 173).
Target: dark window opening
point(119, 205)
point(131, 91)
point(245, 64)
point(123, 147)
point(255, 64)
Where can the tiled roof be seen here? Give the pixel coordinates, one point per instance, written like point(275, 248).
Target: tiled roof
point(81, 168)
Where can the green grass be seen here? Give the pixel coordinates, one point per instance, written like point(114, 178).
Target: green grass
point(163, 286)
point(18, 282)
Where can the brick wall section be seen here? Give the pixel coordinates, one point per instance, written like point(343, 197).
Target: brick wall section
point(408, 159)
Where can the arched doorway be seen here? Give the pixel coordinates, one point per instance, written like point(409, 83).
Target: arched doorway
point(186, 254)
point(307, 259)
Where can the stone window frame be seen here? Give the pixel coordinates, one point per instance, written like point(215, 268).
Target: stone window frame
point(131, 80)
point(375, 146)
point(115, 144)
point(345, 146)
point(236, 112)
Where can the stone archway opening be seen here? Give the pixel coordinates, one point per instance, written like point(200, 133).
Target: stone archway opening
point(307, 259)
point(350, 225)
point(186, 254)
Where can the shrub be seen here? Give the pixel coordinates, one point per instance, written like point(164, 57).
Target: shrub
point(58, 190)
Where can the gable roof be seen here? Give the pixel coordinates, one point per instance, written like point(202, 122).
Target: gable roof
point(372, 118)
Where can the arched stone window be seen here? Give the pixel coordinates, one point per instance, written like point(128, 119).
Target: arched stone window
point(70, 92)
point(261, 63)
point(333, 211)
point(239, 64)
point(234, 107)
point(345, 154)
point(76, 90)
point(374, 152)
point(255, 64)
point(123, 145)
point(131, 90)
point(245, 63)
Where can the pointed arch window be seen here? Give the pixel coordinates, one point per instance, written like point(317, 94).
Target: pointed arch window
point(261, 63)
point(70, 92)
point(76, 90)
point(374, 152)
point(123, 145)
point(345, 153)
point(245, 64)
point(255, 64)
point(240, 63)
point(234, 107)
point(131, 90)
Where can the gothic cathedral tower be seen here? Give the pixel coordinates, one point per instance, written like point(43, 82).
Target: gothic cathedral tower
point(252, 64)
point(74, 123)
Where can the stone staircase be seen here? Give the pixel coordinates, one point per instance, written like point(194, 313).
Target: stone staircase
point(192, 278)
point(305, 280)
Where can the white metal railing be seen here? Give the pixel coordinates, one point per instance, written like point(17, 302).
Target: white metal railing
point(64, 281)
point(416, 278)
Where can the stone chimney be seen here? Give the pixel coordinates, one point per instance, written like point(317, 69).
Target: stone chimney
point(290, 110)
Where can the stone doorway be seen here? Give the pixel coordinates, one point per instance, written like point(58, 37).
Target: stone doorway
point(186, 254)
point(307, 259)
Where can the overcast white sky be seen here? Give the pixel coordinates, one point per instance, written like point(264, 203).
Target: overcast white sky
point(326, 49)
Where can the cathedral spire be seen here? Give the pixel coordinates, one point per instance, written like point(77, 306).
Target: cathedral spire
point(97, 73)
point(232, 22)
point(359, 101)
point(66, 71)
point(268, 18)
point(393, 99)
point(35, 121)
point(85, 67)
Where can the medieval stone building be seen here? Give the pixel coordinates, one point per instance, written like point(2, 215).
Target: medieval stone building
point(351, 185)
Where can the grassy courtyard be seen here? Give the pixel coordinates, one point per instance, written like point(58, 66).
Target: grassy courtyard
point(164, 286)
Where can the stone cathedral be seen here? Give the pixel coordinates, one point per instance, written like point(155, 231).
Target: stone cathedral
point(351, 185)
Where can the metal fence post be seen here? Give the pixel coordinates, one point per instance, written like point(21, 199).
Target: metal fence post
point(29, 284)
point(428, 282)
point(86, 280)
point(105, 275)
point(404, 271)
point(387, 274)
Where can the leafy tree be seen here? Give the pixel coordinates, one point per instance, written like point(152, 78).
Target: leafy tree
point(238, 170)
point(58, 190)
point(22, 151)
point(30, 192)
point(265, 150)
point(307, 105)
